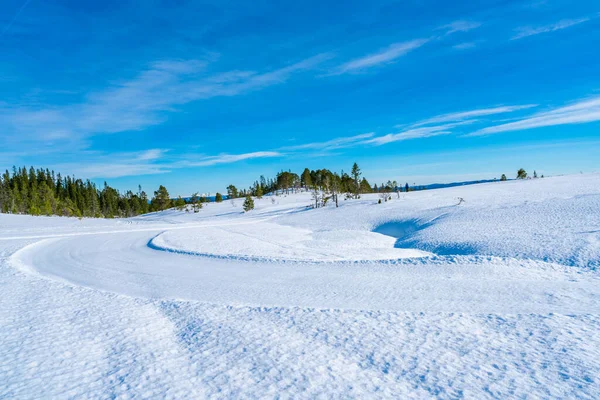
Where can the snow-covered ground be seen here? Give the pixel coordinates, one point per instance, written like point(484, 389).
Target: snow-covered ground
point(417, 297)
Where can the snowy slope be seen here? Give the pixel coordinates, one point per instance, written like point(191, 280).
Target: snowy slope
point(417, 297)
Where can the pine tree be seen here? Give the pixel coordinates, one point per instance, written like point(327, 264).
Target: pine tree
point(336, 186)
point(356, 177)
point(248, 204)
point(218, 197)
point(179, 203)
point(195, 201)
point(232, 192)
point(305, 179)
point(161, 200)
point(503, 178)
point(521, 174)
point(365, 186)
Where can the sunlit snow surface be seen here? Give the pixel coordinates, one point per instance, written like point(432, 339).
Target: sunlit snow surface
point(417, 297)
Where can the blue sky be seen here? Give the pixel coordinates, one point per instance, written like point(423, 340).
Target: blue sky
point(196, 95)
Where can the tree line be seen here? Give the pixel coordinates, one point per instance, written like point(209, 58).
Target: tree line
point(324, 184)
point(42, 192)
point(286, 182)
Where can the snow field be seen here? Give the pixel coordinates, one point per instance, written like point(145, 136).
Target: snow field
point(415, 298)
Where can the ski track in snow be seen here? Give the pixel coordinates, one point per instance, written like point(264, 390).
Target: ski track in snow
point(289, 303)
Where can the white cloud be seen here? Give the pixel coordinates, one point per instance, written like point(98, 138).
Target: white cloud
point(436, 126)
point(112, 169)
point(336, 143)
point(147, 162)
point(153, 154)
point(531, 31)
point(384, 56)
point(460, 26)
point(229, 158)
point(115, 165)
point(442, 124)
point(581, 112)
point(416, 133)
point(141, 102)
point(460, 116)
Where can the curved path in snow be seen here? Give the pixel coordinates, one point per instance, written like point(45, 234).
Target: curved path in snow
point(123, 262)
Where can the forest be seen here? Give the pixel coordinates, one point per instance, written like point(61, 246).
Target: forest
point(43, 192)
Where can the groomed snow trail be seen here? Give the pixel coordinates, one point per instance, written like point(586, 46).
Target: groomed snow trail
point(124, 263)
point(499, 297)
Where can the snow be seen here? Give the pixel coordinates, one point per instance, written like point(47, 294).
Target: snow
point(273, 242)
point(418, 297)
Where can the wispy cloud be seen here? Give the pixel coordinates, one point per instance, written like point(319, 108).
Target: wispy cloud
point(526, 31)
point(141, 102)
point(337, 143)
point(459, 26)
point(152, 154)
point(444, 124)
point(116, 164)
point(148, 162)
point(416, 133)
point(481, 112)
point(228, 158)
point(384, 56)
point(584, 111)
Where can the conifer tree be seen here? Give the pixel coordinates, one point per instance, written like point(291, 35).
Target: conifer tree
point(179, 203)
point(305, 179)
point(248, 204)
point(365, 186)
point(356, 177)
point(195, 201)
point(218, 197)
point(41, 192)
point(232, 192)
point(161, 200)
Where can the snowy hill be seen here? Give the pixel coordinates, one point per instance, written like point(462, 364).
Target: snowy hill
point(426, 295)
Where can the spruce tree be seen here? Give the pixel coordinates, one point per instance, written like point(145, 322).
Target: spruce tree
point(356, 178)
point(248, 204)
point(365, 186)
point(305, 179)
point(179, 203)
point(161, 200)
